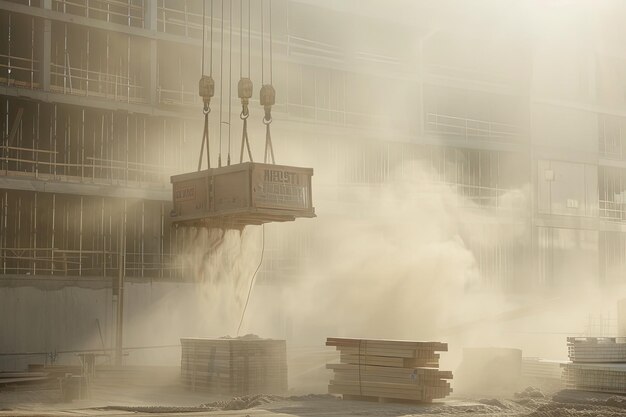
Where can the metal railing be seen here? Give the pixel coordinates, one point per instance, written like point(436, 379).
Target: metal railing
point(181, 22)
point(78, 81)
point(469, 74)
point(612, 210)
point(483, 196)
point(345, 118)
point(178, 97)
point(40, 163)
point(81, 262)
point(301, 46)
point(107, 10)
point(20, 72)
point(472, 128)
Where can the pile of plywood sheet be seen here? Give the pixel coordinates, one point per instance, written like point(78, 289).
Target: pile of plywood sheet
point(537, 368)
point(388, 370)
point(597, 364)
point(596, 349)
point(239, 366)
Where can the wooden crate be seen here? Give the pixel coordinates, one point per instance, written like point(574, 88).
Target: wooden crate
point(234, 366)
point(243, 194)
point(388, 370)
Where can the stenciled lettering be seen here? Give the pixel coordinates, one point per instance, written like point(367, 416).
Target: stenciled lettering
point(282, 177)
point(187, 193)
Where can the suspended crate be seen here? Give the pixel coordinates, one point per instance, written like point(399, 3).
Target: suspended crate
point(244, 194)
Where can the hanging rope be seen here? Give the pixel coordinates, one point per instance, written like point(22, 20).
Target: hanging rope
point(268, 93)
point(244, 91)
point(245, 306)
point(206, 89)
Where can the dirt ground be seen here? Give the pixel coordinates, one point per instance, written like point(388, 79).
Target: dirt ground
point(172, 400)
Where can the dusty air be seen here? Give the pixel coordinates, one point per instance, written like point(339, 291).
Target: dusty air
point(312, 208)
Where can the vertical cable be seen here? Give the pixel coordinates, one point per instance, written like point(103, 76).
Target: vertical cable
point(230, 75)
point(211, 43)
point(203, 31)
point(249, 36)
point(219, 155)
point(270, 30)
point(240, 38)
point(262, 45)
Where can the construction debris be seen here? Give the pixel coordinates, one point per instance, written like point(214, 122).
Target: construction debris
point(388, 370)
point(239, 366)
point(598, 364)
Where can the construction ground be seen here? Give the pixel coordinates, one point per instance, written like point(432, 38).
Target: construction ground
point(418, 206)
point(171, 400)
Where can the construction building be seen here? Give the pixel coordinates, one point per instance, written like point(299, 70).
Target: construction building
point(99, 106)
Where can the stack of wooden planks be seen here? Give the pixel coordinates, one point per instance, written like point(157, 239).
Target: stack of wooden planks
point(596, 349)
point(388, 370)
point(9, 379)
point(239, 366)
point(541, 369)
point(597, 364)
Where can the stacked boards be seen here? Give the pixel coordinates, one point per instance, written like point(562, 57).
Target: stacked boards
point(388, 370)
point(597, 364)
point(37, 375)
point(541, 369)
point(239, 366)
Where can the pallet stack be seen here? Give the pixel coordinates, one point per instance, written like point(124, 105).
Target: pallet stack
point(597, 364)
point(388, 370)
point(240, 366)
point(541, 369)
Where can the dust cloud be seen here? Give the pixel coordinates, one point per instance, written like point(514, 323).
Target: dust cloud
point(399, 259)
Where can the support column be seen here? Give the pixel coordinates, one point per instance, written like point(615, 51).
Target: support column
point(150, 23)
point(44, 39)
point(120, 289)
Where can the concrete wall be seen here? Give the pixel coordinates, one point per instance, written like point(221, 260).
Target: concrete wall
point(48, 317)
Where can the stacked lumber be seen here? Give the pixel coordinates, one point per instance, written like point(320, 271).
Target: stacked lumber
point(239, 366)
point(596, 349)
point(38, 375)
point(10, 378)
point(388, 370)
point(597, 364)
point(541, 369)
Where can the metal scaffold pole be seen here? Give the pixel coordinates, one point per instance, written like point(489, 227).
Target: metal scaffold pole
point(120, 290)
